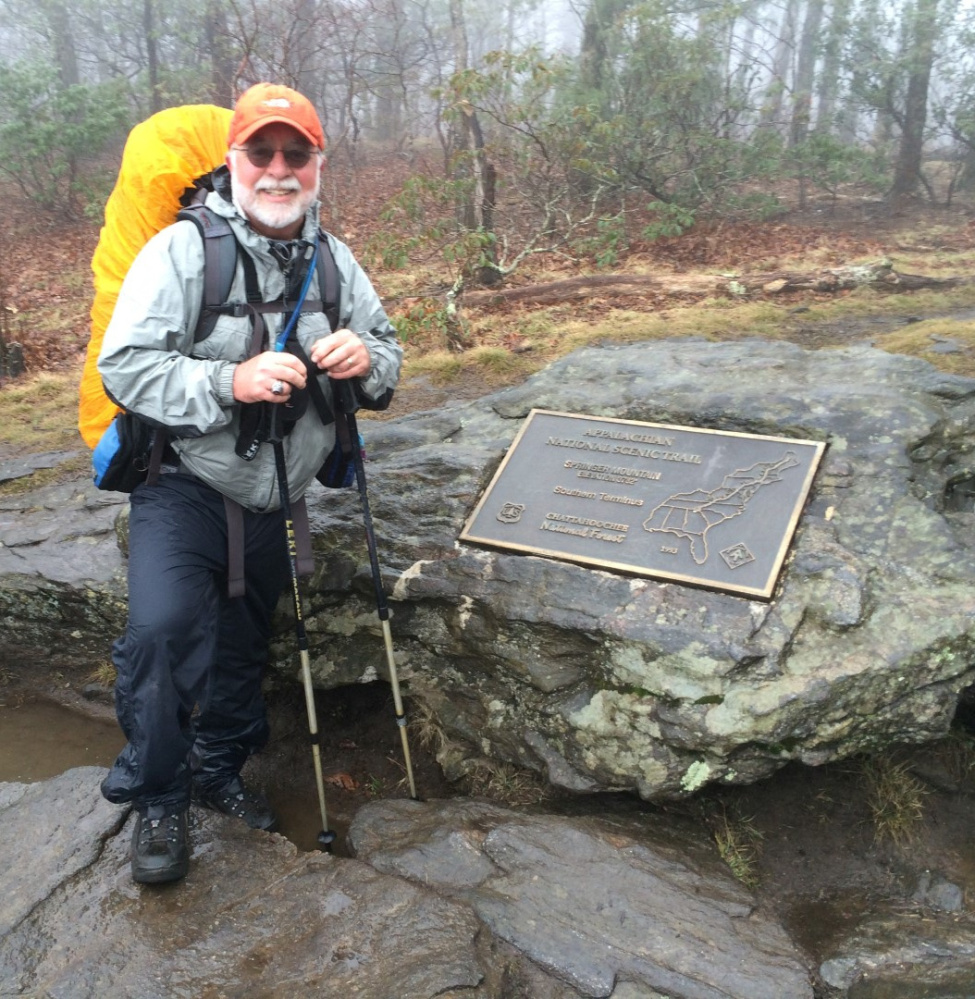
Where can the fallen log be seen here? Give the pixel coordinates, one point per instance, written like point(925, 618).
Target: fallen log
point(880, 273)
point(570, 289)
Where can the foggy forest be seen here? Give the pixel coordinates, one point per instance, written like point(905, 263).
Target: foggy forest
point(524, 126)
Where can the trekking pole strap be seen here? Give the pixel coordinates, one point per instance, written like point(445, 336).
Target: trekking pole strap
point(324, 410)
point(160, 439)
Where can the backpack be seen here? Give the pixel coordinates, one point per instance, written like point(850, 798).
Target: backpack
point(163, 158)
point(130, 451)
point(167, 163)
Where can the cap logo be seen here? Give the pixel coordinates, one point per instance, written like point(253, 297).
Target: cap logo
point(268, 102)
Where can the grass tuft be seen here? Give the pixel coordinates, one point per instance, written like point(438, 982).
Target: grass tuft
point(739, 843)
point(506, 783)
point(895, 798)
point(103, 674)
point(948, 344)
point(956, 752)
point(39, 412)
point(430, 734)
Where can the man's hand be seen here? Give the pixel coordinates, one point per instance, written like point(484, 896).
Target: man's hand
point(342, 354)
point(268, 377)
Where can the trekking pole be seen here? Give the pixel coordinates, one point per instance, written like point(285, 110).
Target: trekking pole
point(345, 397)
point(326, 837)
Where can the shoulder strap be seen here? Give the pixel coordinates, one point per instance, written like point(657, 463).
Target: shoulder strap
point(220, 254)
point(328, 287)
point(219, 263)
point(328, 284)
point(328, 280)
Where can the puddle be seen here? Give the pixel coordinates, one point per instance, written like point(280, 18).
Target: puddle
point(41, 739)
point(300, 821)
point(816, 925)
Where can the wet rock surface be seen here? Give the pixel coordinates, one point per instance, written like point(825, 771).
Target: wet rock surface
point(898, 955)
point(456, 898)
point(62, 573)
point(255, 916)
point(448, 898)
point(588, 900)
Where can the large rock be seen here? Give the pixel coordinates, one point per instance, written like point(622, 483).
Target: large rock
point(62, 574)
point(602, 681)
point(597, 680)
point(591, 901)
point(447, 899)
point(904, 955)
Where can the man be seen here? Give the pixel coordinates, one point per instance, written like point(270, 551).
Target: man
point(188, 694)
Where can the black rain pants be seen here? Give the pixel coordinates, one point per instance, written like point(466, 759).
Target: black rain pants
point(188, 692)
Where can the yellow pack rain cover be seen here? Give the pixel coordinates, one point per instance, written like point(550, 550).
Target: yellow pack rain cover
point(163, 156)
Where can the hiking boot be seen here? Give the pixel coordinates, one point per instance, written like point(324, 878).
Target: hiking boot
point(160, 844)
point(239, 801)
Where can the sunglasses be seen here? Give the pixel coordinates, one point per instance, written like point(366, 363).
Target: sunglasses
point(260, 156)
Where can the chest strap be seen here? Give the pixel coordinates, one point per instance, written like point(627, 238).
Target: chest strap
point(256, 309)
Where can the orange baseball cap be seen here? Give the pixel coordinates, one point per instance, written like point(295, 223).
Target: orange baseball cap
point(265, 103)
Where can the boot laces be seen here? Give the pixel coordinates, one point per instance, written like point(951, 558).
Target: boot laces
point(153, 832)
point(238, 805)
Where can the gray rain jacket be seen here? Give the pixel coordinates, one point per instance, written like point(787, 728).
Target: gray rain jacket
point(150, 365)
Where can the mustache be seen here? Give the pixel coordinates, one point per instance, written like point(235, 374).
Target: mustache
point(269, 184)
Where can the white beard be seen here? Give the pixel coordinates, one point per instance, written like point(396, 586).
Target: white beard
point(249, 203)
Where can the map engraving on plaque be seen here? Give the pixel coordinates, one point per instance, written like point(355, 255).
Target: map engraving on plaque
point(692, 515)
point(705, 507)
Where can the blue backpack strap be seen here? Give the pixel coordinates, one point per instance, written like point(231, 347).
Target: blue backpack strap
point(328, 284)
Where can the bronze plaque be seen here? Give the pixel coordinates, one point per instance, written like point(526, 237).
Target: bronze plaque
point(705, 507)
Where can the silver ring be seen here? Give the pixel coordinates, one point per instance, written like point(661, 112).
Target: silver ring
point(277, 387)
point(349, 362)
